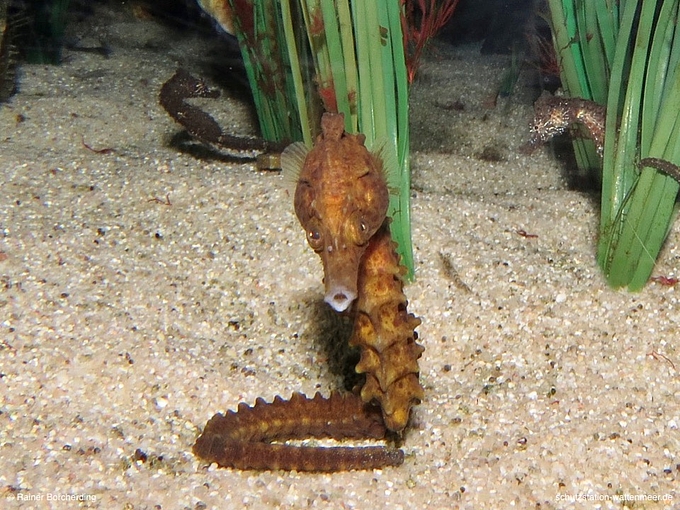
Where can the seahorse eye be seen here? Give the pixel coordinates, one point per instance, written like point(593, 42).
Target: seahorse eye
point(359, 229)
point(314, 238)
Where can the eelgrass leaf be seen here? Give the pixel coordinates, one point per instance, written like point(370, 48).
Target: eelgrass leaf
point(649, 127)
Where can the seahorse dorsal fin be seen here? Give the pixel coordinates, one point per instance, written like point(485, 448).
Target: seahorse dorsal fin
point(292, 160)
point(381, 150)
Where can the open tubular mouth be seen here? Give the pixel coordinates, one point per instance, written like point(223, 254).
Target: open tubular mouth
point(340, 298)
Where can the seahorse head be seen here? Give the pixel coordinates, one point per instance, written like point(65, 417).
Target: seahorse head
point(552, 117)
point(341, 200)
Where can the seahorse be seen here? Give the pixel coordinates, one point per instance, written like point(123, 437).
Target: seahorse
point(553, 115)
point(341, 200)
point(202, 126)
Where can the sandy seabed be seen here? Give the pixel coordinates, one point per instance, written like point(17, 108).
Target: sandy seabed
point(143, 290)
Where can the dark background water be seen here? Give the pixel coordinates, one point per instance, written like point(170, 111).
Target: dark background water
point(37, 30)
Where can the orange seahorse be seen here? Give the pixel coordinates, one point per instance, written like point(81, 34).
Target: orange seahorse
point(341, 200)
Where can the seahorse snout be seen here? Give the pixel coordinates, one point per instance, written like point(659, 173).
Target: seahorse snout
point(340, 298)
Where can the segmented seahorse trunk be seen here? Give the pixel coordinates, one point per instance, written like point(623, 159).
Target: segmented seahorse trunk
point(243, 439)
point(384, 332)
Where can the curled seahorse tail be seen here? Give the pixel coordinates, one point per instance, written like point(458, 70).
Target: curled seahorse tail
point(242, 439)
point(384, 332)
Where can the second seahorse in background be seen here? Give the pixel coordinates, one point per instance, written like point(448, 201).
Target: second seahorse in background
point(554, 115)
